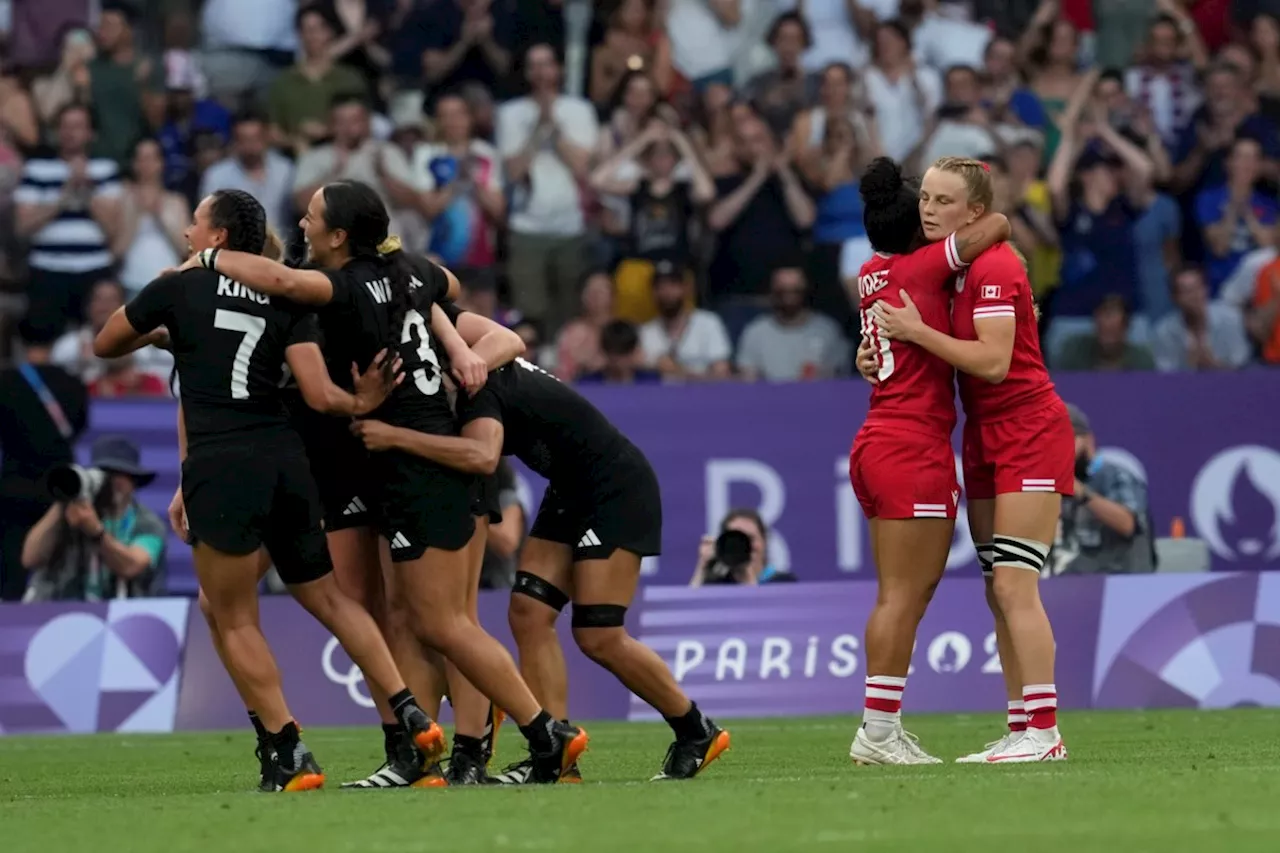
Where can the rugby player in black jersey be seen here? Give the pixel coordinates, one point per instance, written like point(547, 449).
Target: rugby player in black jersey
point(600, 515)
point(245, 479)
point(368, 299)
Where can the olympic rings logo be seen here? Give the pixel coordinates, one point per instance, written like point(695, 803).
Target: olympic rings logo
point(352, 679)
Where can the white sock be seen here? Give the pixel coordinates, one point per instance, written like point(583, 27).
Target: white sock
point(882, 713)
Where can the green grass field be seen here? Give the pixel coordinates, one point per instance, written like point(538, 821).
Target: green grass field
point(1159, 781)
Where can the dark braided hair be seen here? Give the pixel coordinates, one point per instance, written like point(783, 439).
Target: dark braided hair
point(243, 217)
point(890, 208)
point(358, 210)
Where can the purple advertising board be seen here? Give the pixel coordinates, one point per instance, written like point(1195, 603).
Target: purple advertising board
point(1209, 640)
point(1206, 443)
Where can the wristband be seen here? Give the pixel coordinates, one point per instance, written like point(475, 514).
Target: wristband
point(209, 259)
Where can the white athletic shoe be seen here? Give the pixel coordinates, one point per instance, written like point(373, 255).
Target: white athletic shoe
point(1035, 745)
point(901, 747)
point(990, 749)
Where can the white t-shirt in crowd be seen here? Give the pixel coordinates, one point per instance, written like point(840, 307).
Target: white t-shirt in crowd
point(942, 42)
point(834, 38)
point(249, 24)
point(899, 117)
point(703, 342)
point(700, 44)
point(549, 203)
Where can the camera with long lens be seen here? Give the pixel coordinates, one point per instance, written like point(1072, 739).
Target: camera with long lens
point(732, 556)
point(72, 482)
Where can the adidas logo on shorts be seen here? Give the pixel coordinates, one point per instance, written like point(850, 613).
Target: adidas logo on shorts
point(399, 541)
point(356, 506)
point(589, 540)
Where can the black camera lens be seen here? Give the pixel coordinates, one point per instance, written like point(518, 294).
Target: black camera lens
point(733, 548)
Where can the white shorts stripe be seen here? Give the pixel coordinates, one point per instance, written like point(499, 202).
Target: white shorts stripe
point(929, 506)
point(929, 513)
point(1038, 489)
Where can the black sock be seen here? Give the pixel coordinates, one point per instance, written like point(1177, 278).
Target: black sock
point(258, 728)
point(692, 725)
point(566, 722)
point(401, 703)
point(470, 746)
point(539, 732)
point(391, 736)
point(286, 742)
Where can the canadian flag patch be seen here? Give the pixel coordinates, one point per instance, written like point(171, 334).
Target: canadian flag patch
point(990, 291)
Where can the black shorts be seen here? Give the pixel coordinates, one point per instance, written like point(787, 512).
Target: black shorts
point(340, 466)
point(623, 512)
point(245, 496)
point(485, 494)
point(422, 505)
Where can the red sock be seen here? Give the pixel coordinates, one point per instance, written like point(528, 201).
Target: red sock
point(1041, 702)
point(1017, 716)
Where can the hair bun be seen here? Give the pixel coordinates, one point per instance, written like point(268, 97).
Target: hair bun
point(881, 183)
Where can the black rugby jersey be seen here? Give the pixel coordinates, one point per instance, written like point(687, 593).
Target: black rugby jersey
point(228, 346)
point(547, 425)
point(356, 325)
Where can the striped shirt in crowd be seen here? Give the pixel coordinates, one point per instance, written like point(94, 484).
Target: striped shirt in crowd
point(72, 242)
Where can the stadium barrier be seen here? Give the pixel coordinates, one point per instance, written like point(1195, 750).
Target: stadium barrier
point(1207, 443)
point(1205, 640)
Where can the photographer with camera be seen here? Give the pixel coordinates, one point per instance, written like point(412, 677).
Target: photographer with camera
point(97, 542)
point(739, 554)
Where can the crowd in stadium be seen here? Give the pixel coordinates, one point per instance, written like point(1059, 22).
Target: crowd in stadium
point(663, 190)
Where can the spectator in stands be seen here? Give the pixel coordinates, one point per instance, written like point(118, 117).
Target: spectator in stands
point(188, 115)
point(462, 197)
point(19, 124)
point(635, 107)
point(902, 95)
point(1229, 111)
point(704, 37)
point(103, 546)
point(126, 89)
point(152, 232)
point(835, 103)
point(502, 546)
point(43, 411)
point(1201, 334)
point(713, 132)
point(1096, 224)
point(247, 43)
point(1165, 84)
point(302, 97)
point(722, 560)
point(780, 94)
point(358, 28)
point(1236, 217)
point(841, 244)
point(634, 41)
point(68, 83)
point(1049, 52)
point(683, 342)
point(1264, 39)
point(942, 34)
point(1262, 313)
point(1106, 524)
point(124, 377)
point(256, 168)
point(963, 125)
point(354, 155)
point(623, 359)
point(793, 342)
point(1107, 348)
point(73, 352)
point(1009, 96)
point(547, 139)
point(665, 185)
point(1030, 213)
point(68, 207)
point(468, 41)
point(759, 216)
point(578, 348)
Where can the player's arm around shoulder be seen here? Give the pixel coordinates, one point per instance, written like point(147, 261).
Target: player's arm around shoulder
point(304, 286)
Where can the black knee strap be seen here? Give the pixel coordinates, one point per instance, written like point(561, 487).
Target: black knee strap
point(599, 615)
point(540, 590)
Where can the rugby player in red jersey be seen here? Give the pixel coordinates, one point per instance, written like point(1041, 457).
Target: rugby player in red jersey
point(902, 467)
point(1018, 448)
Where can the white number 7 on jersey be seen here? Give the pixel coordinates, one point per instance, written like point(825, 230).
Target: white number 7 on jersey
point(252, 328)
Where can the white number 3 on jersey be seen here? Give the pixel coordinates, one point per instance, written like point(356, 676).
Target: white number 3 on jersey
point(428, 385)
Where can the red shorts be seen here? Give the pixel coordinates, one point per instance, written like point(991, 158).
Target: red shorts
point(1032, 452)
point(899, 473)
